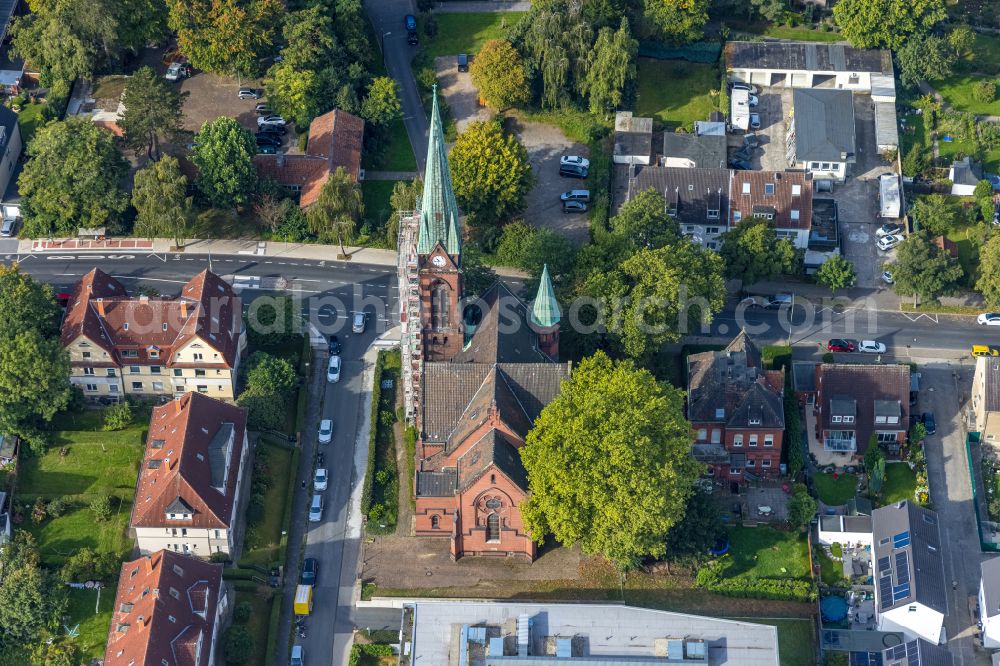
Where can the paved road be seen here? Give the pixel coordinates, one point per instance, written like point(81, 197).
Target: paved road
point(386, 17)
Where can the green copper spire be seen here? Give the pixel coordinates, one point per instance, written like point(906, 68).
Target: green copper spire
point(438, 209)
point(545, 310)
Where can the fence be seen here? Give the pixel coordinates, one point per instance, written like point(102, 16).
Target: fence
point(703, 52)
point(989, 541)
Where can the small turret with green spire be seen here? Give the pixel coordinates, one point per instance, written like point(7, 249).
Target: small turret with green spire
point(438, 209)
point(545, 311)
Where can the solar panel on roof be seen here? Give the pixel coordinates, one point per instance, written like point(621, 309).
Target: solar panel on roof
point(883, 563)
point(898, 652)
point(913, 654)
point(901, 540)
point(900, 592)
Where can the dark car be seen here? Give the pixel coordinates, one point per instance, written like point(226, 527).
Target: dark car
point(263, 109)
point(744, 153)
point(334, 346)
point(463, 62)
point(274, 130)
point(410, 21)
point(267, 150)
point(740, 165)
point(268, 140)
point(929, 425)
point(574, 207)
point(840, 345)
point(573, 171)
point(751, 140)
point(411, 38)
point(310, 570)
point(320, 460)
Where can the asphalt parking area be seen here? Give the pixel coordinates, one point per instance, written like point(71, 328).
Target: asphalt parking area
point(771, 156)
point(211, 96)
point(457, 89)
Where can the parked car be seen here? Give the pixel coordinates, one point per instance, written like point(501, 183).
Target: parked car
point(177, 71)
point(267, 149)
point(310, 570)
point(754, 101)
point(574, 207)
point(277, 130)
point(298, 656)
point(871, 347)
point(316, 509)
point(7, 228)
point(753, 302)
point(740, 165)
point(410, 21)
point(776, 301)
point(576, 195)
point(333, 370)
point(320, 479)
point(745, 153)
point(263, 109)
point(989, 319)
point(751, 141)
point(320, 459)
point(887, 277)
point(573, 171)
point(463, 62)
point(889, 229)
point(358, 322)
point(271, 120)
point(574, 160)
point(886, 243)
point(929, 425)
point(411, 38)
point(750, 88)
point(326, 431)
point(755, 121)
point(268, 139)
point(334, 346)
point(840, 345)
point(250, 93)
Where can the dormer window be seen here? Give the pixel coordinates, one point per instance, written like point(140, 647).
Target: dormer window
point(836, 419)
point(713, 214)
point(848, 419)
point(178, 516)
point(794, 214)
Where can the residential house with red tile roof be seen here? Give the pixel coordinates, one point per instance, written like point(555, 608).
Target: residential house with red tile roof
point(335, 141)
point(784, 198)
point(736, 408)
point(190, 480)
point(168, 611)
point(157, 347)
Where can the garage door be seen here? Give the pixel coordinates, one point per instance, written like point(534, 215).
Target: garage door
point(801, 81)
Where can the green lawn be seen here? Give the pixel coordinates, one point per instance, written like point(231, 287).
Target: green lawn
point(799, 34)
point(766, 552)
point(835, 492)
point(957, 91)
point(900, 483)
point(217, 223)
point(676, 93)
point(463, 33)
point(93, 628)
point(257, 625)
point(831, 571)
point(30, 119)
point(378, 210)
point(398, 153)
point(796, 639)
point(263, 540)
point(59, 538)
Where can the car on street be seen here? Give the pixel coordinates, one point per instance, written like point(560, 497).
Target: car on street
point(298, 656)
point(753, 302)
point(334, 345)
point(358, 322)
point(985, 350)
point(271, 120)
point(7, 229)
point(840, 345)
point(740, 165)
point(463, 62)
point(411, 38)
point(250, 93)
point(887, 277)
point(750, 88)
point(886, 243)
point(333, 370)
point(871, 347)
point(576, 195)
point(316, 509)
point(777, 300)
point(320, 479)
point(310, 570)
point(929, 425)
point(320, 459)
point(326, 431)
point(574, 207)
point(410, 21)
point(574, 160)
point(989, 319)
point(754, 101)
point(889, 229)
point(754, 121)
point(267, 149)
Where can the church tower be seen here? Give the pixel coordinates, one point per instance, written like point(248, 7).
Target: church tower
point(545, 316)
point(430, 270)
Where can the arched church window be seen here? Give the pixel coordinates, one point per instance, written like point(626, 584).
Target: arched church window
point(493, 527)
point(435, 521)
point(440, 305)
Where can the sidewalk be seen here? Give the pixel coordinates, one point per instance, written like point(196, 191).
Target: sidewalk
point(883, 299)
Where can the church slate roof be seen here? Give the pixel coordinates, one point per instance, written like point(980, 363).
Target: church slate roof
point(493, 448)
point(503, 334)
point(439, 216)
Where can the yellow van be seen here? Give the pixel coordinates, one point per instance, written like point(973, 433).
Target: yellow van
point(303, 600)
point(984, 350)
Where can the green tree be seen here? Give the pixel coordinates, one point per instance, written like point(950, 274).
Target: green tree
point(915, 161)
point(874, 462)
point(923, 270)
point(801, 506)
point(989, 271)
point(265, 411)
point(677, 21)
point(267, 374)
point(72, 179)
point(294, 93)
point(309, 37)
point(27, 304)
point(118, 417)
point(87, 564)
point(31, 600)
point(530, 248)
point(752, 252)
point(223, 153)
point(836, 273)
point(405, 199)
point(658, 295)
point(337, 210)
point(961, 40)
point(491, 173)
point(643, 220)
point(985, 91)
point(889, 23)
point(770, 10)
point(239, 645)
point(611, 69)
point(225, 36)
point(51, 44)
point(152, 110)
point(609, 464)
point(62, 653)
point(159, 195)
point(34, 379)
point(498, 73)
point(924, 59)
point(694, 534)
point(381, 105)
point(101, 507)
point(555, 40)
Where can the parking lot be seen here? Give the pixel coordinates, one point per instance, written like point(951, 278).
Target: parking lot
point(771, 135)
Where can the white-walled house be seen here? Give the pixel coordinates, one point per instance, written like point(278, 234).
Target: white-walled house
point(910, 586)
point(848, 531)
point(821, 137)
point(989, 602)
point(188, 490)
point(810, 65)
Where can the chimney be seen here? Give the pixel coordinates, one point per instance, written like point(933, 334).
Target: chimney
point(177, 405)
point(184, 309)
point(100, 306)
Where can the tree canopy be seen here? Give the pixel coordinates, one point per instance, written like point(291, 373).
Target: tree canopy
point(752, 252)
point(989, 271)
point(836, 273)
point(927, 58)
point(152, 110)
point(159, 195)
point(225, 36)
point(889, 23)
point(223, 153)
point(609, 463)
point(27, 304)
point(498, 73)
point(491, 173)
point(382, 105)
point(72, 179)
point(335, 214)
point(935, 213)
point(923, 270)
point(644, 221)
point(677, 21)
point(611, 68)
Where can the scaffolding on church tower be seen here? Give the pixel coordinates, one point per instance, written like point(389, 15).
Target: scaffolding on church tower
point(411, 345)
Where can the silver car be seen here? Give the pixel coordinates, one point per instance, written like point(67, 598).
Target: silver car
point(316, 509)
point(358, 322)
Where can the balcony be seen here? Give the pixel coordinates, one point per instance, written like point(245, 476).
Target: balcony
point(710, 453)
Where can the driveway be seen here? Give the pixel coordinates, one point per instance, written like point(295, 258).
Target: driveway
point(457, 89)
point(773, 104)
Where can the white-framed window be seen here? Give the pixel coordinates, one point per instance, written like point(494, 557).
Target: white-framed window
point(136, 386)
point(91, 387)
point(711, 230)
point(155, 353)
point(713, 213)
point(111, 372)
point(746, 188)
point(826, 166)
point(768, 216)
point(202, 388)
point(689, 228)
point(886, 437)
point(133, 369)
point(836, 419)
point(814, 165)
point(753, 441)
point(795, 214)
point(157, 386)
point(86, 354)
point(112, 388)
point(766, 462)
point(702, 434)
point(796, 190)
point(768, 189)
point(154, 369)
point(88, 372)
point(892, 419)
point(751, 462)
point(737, 215)
point(738, 441)
point(879, 419)
point(198, 356)
point(130, 353)
point(768, 441)
point(848, 419)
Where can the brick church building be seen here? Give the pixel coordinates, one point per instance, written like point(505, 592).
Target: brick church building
point(476, 374)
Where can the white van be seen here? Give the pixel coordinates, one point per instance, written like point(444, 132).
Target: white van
point(298, 656)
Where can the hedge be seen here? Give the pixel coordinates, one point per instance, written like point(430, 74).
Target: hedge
point(271, 654)
point(366, 490)
point(751, 587)
point(370, 650)
point(703, 52)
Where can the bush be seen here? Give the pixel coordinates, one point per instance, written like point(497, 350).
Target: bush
point(711, 578)
point(118, 417)
point(38, 510)
point(87, 564)
point(242, 612)
point(101, 506)
point(828, 357)
point(985, 91)
point(368, 650)
point(837, 550)
point(239, 645)
point(255, 508)
point(914, 162)
point(56, 507)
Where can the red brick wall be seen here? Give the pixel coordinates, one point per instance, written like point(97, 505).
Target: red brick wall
point(478, 502)
point(444, 508)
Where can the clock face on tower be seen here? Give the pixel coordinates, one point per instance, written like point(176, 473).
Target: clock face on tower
point(438, 261)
